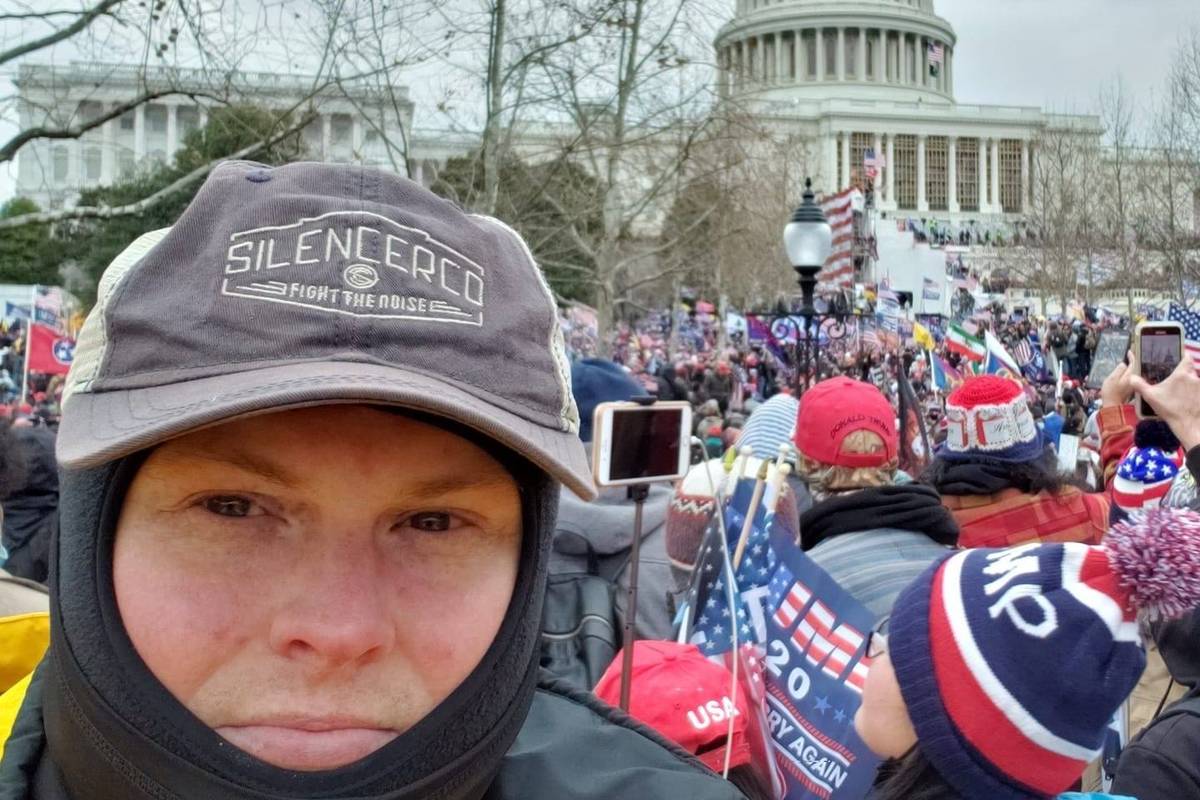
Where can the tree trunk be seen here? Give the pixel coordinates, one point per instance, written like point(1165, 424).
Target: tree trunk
point(495, 98)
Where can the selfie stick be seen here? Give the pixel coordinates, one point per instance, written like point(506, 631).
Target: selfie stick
point(638, 494)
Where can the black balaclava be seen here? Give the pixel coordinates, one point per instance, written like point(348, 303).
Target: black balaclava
point(113, 731)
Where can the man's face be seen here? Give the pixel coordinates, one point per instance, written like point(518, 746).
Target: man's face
point(311, 583)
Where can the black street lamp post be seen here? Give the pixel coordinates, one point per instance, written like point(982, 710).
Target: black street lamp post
point(808, 240)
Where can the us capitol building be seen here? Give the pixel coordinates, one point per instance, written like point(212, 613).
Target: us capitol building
point(853, 76)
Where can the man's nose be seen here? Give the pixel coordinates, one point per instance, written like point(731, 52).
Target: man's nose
point(338, 610)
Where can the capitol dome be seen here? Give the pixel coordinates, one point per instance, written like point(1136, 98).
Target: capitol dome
point(795, 50)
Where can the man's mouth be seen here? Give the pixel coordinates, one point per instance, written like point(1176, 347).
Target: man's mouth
point(308, 743)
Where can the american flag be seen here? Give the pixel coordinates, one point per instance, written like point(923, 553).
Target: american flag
point(839, 268)
point(937, 54)
point(1022, 351)
point(1190, 321)
point(869, 337)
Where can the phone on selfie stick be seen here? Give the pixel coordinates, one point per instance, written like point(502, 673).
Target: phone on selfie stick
point(1158, 347)
point(636, 444)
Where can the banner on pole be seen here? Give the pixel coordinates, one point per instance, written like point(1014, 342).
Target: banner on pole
point(48, 351)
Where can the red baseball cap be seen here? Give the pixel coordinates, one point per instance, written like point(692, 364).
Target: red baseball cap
point(832, 410)
point(685, 697)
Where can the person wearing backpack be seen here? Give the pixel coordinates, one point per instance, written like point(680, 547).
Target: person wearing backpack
point(585, 609)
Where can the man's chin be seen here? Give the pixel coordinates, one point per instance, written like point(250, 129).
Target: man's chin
point(304, 750)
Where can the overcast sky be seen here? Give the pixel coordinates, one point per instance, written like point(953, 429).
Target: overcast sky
point(1055, 54)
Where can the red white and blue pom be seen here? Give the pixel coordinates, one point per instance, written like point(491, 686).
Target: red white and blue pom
point(1156, 556)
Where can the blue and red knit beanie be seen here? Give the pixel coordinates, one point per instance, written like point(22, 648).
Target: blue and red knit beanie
point(1147, 470)
point(1012, 662)
point(989, 417)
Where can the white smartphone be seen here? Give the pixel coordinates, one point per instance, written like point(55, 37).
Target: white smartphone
point(1159, 349)
point(633, 443)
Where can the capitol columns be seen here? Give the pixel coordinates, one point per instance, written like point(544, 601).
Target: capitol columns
point(860, 55)
point(108, 153)
point(891, 169)
point(841, 54)
point(995, 176)
point(820, 54)
point(881, 58)
point(780, 61)
point(877, 179)
point(797, 57)
point(982, 183)
point(1025, 193)
point(952, 174)
point(831, 164)
point(922, 198)
point(845, 160)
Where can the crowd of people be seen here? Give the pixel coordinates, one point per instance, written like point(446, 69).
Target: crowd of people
point(335, 544)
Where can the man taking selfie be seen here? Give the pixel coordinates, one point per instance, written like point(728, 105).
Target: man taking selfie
point(312, 445)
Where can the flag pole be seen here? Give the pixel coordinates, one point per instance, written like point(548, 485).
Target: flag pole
point(25, 395)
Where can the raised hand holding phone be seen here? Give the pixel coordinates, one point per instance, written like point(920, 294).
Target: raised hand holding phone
point(1176, 400)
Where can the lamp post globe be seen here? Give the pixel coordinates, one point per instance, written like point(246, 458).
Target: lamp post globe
point(808, 240)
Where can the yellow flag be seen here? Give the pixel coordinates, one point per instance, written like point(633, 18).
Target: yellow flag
point(923, 337)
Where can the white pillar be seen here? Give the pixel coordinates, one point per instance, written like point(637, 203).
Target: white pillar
point(923, 61)
point(820, 54)
point(841, 54)
point(743, 62)
point(922, 200)
point(172, 130)
point(905, 76)
point(985, 205)
point(845, 160)
point(831, 164)
point(202, 116)
point(996, 176)
point(780, 58)
point(860, 71)
point(798, 56)
point(875, 183)
point(952, 174)
point(74, 157)
point(1024, 176)
point(108, 154)
point(891, 169)
point(139, 133)
point(356, 137)
point(881, 58)
point(949, 71)
point(326, 136)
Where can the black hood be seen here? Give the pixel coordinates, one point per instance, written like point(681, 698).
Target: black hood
point(113, 731)
point(1179, 644)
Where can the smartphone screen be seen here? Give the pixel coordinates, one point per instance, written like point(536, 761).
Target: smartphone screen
point(1161, 350)
point(645, 443)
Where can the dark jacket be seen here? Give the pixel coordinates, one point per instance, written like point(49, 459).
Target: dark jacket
point(31, 507)
point(571, 746)
point(1163, 763)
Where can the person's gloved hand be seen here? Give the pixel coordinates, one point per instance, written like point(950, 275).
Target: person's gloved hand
point(1176, 400)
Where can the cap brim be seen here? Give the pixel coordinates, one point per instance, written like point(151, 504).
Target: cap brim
point(98, 427)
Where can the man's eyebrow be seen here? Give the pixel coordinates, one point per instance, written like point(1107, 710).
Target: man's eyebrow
point(450, 484)
point(264, 468)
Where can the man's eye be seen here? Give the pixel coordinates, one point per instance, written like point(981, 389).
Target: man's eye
point(431, 521)
point(229, 506)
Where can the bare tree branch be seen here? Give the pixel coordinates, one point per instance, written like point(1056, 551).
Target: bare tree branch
point(85, 19)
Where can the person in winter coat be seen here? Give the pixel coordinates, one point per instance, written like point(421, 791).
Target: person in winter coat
point(30, 503)
point(1002, 668)
point(998, 477)
point(312, 448)
point(605, 524)
point(1161, 763)
point(871, 536)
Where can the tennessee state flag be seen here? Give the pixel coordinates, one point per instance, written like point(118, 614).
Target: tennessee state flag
point(48, 351)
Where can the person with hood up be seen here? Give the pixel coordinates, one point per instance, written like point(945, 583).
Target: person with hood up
point(30, 503)
point(312, 446)
point(604, 526)
point(999, 478)
point(871, 536)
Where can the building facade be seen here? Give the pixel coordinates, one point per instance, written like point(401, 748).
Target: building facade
point(878, 75)
point(353, 124)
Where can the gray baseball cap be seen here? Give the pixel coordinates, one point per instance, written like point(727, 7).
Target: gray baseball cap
point(315, 284)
